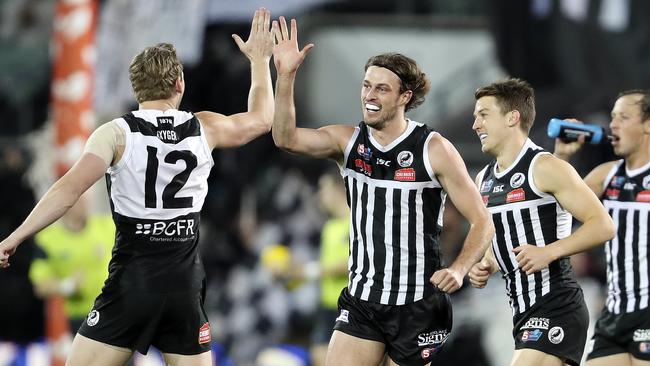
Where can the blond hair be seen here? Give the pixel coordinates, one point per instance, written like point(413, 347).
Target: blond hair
point(154, 71)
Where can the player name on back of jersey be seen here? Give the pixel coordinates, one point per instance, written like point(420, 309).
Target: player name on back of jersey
point(165, 131)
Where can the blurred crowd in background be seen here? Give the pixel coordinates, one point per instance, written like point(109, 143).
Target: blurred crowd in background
point(262, 218)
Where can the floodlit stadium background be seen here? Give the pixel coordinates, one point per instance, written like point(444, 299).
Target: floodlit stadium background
point(578, 54)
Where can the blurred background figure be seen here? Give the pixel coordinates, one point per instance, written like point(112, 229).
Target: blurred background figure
point(22, 314)
point(78, 249)
point(332, 268)
point(329, 270)
point(577, 55)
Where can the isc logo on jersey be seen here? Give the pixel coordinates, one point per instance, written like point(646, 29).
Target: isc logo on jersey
point(183, 227)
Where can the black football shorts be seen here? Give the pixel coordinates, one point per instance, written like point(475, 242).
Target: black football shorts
point(621, 333)
point(172, 322)
point(556, 325)
point(413, 333)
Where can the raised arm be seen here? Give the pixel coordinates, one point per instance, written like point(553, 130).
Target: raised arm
point(558, 178)
point(238, 129)
point(595, 179)
point(452, 174)
point(325, 142)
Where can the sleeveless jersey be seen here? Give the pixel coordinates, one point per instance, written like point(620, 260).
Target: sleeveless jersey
point(522, 214)
point(396, 207)
point(156, 193)
point(627, 199)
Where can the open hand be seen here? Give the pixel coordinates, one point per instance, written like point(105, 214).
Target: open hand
point(286, 55)
point(259, 45)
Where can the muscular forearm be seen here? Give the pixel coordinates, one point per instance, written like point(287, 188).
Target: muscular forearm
point(476, 243)
point(54, 204)
point(284, 120)
point(260, 95)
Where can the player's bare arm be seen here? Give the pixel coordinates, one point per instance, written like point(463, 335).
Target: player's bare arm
point(596, 178)
point(452, 174)
point(325, 142)
point(238, 129)
point(56, 202)
point(481, 271)
point(557, 177)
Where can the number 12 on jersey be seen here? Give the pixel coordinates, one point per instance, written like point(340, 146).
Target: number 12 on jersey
point(169, 199)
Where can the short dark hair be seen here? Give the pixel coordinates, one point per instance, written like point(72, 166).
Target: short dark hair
point(644, 103)
point(512, 94)
point(411, 76)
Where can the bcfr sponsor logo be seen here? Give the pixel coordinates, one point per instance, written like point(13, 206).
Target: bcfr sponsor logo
point(204, 333)
point(182, 227)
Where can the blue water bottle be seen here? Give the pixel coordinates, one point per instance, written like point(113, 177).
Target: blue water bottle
point(570, 131)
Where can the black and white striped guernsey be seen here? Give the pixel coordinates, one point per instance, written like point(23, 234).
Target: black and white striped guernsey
point(156, 191)
point(626, 198)
point(522, 214)
point(396, 216)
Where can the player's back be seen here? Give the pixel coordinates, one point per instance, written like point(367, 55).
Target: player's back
point(157, 190)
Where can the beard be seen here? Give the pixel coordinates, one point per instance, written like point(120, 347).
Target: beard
point(379, 122)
